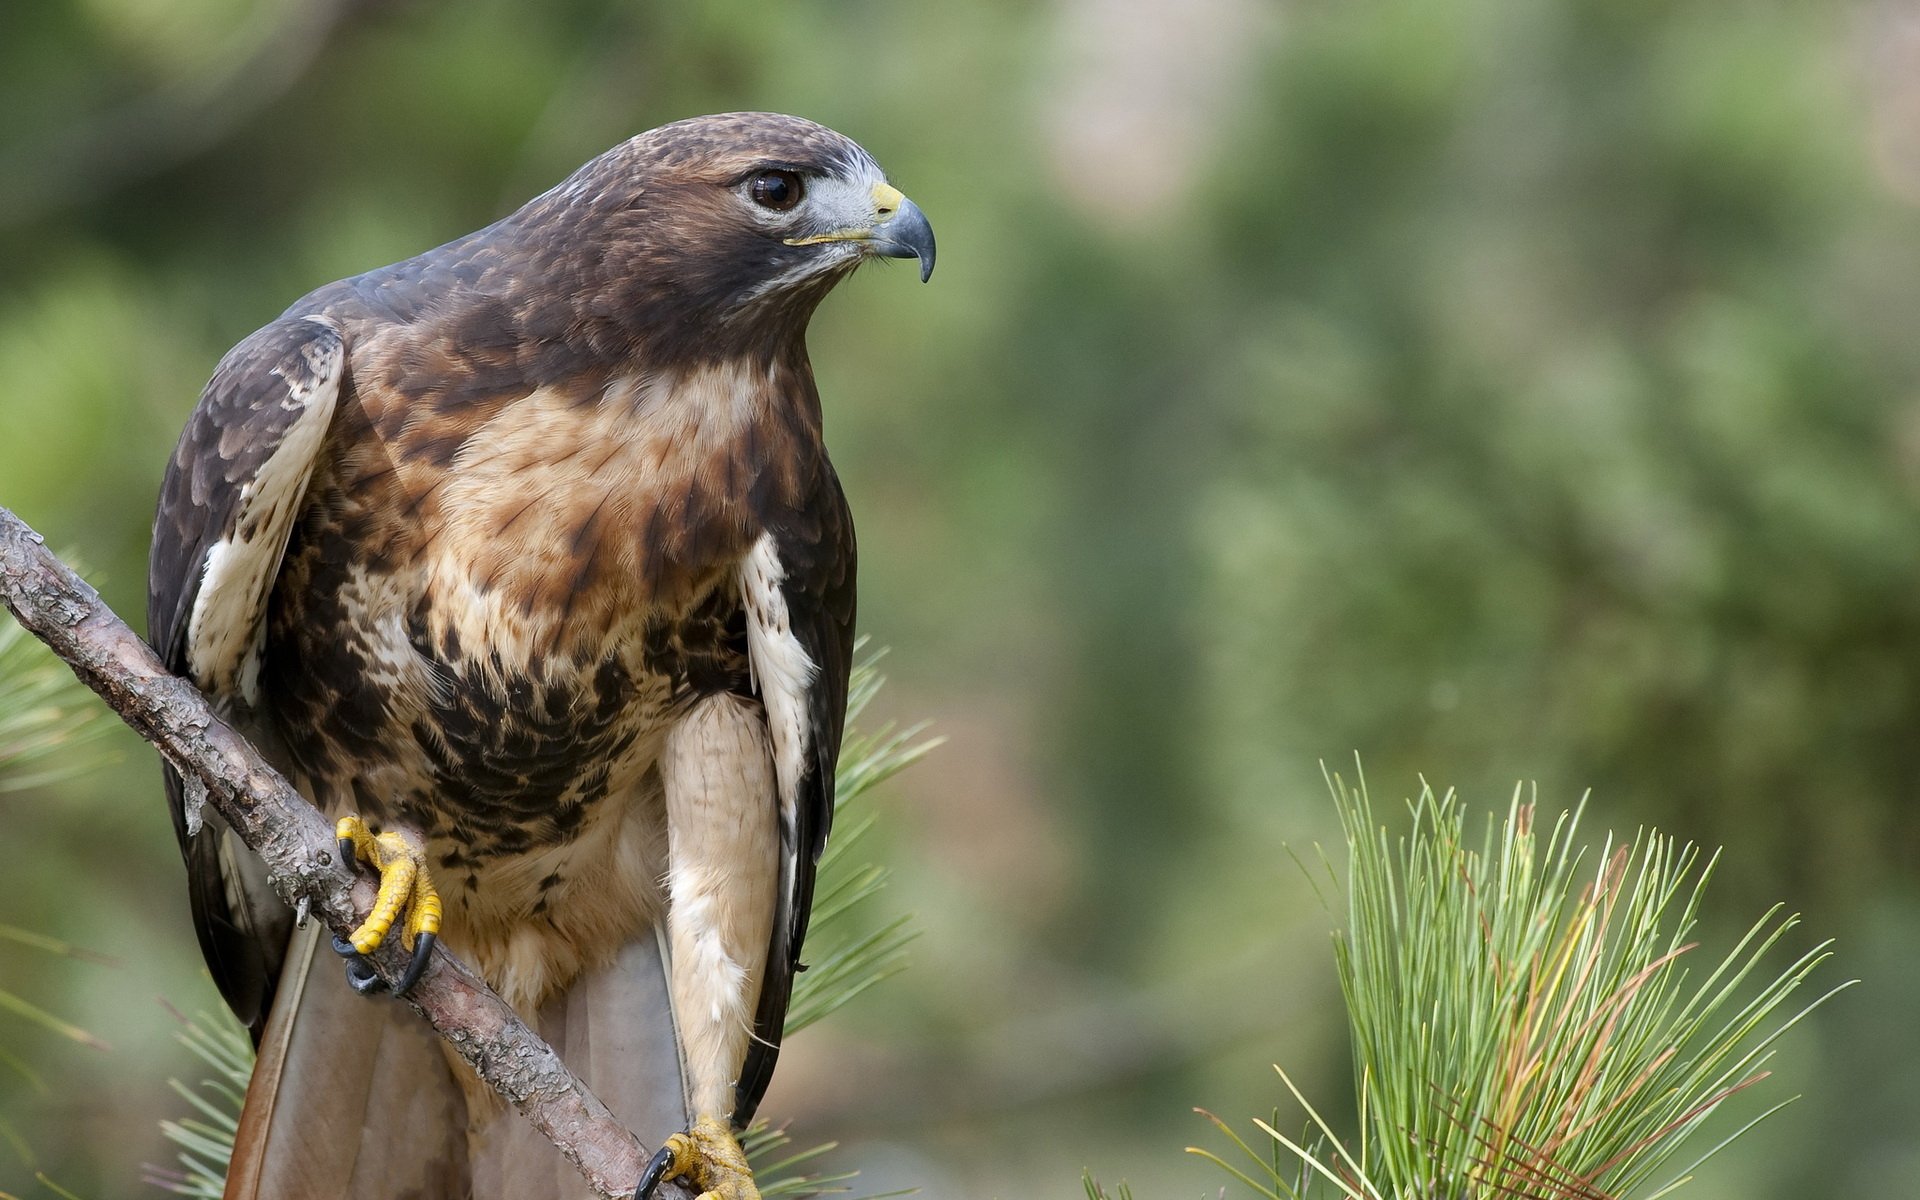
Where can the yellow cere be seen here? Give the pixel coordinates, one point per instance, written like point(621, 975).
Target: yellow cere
point(887, 199)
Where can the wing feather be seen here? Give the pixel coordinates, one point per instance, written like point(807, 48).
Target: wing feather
point(233, 490)
point(799, 584)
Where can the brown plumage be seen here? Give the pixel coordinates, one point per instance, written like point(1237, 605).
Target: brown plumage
point(530, 547)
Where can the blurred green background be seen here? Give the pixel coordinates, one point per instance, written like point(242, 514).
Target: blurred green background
point(1501, 389)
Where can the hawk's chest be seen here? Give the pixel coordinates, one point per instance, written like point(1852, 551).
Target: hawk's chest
point(490, 628)
point(470, 746)
point(564, 517)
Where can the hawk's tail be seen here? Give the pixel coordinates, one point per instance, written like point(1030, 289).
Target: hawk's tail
point(614, 1027)
point(352, 1097)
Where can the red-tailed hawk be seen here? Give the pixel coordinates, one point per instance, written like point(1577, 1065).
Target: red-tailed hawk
point(525, 557)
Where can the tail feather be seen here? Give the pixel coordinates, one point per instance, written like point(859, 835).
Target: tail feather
point(349, 1098)
point(614, 1027)
point(352, 1098)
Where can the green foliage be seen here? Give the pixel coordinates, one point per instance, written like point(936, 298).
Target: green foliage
point(46, 720)
point(1095, 1191)
point(46, 723)
point(1525, 1019)
point(17, 1006)
point(206, 1140)
point(1566, 425)
point(845, 961)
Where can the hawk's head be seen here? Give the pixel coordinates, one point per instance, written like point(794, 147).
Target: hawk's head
point(735, 225)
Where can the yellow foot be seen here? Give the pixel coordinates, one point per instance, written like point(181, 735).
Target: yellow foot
point(404, 883)
point(707, 1156)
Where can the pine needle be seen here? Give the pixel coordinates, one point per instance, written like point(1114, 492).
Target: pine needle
point(1522, 1021)
point(46, 717)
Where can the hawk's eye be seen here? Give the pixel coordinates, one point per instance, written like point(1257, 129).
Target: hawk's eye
point(777, 190)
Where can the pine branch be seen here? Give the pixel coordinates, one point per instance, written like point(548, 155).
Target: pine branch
point(298, 848)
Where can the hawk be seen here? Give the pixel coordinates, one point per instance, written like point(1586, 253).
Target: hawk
point(524, 558)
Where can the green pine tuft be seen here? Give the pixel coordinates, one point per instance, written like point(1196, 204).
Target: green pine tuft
point(1528, 1021)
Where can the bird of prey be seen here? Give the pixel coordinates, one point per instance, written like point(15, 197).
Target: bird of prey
point(525, 560)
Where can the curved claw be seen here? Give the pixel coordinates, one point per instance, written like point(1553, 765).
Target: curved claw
point(657, 1169)
point(708, 1157)
point(417, 966)
point(361, 976)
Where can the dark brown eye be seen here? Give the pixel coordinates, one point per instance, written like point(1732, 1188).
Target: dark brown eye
point(777, 190)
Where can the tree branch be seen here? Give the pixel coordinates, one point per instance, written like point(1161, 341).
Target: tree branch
point(298, 847)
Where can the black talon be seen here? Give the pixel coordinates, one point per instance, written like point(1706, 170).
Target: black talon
point(422, 951)
point(346, 854)
point(361, 976)
point(655, 1172)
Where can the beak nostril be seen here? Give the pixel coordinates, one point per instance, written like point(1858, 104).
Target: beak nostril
point(887, 202)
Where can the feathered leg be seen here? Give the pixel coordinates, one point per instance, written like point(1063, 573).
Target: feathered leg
point(722, 872)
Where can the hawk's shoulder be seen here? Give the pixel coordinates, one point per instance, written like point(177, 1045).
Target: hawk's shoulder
point(231, 493)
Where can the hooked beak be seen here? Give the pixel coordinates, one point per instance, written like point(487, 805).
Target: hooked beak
point(898, 230)
point(902, 230)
